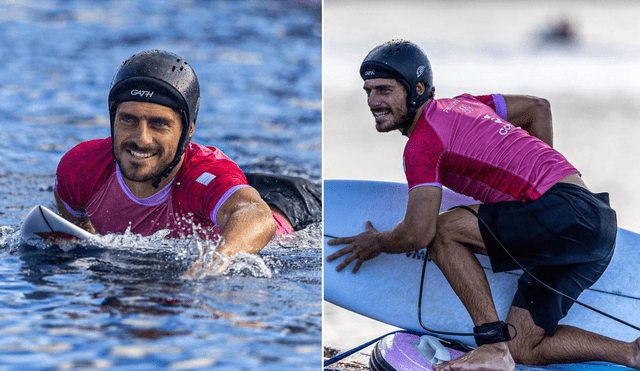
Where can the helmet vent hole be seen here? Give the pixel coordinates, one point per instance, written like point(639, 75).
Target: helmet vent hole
point(181, 68)
point(173, 69)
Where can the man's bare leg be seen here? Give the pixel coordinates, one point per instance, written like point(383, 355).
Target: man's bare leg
point(451, 250)
point(568, 345)
point(457, 239)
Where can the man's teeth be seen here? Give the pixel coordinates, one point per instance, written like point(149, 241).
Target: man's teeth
point(140, 155)
point(380, 113)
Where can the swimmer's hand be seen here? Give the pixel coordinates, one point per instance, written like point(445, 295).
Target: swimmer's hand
point(208, 263)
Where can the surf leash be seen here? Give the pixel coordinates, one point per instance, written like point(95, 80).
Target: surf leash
point(346, 354)
point(523, 269)
point(489, 333)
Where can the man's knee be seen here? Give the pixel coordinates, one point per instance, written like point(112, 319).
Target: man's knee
point(455, 227)
point(528, 337)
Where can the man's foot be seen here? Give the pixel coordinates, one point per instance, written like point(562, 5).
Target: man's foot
point(489, 357)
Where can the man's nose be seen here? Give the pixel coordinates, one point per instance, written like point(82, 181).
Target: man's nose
point(142, 136)
point(372, 100)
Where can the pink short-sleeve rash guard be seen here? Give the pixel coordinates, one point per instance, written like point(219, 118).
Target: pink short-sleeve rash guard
point(90, 183)
point(466, 144)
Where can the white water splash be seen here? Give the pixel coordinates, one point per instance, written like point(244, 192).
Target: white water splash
point(8, 237)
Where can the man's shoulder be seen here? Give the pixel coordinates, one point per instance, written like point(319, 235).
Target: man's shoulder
point(457, 103)
point(203, 164)
point(203, 158)
point(93, 153)
point(92, 149)
point(198, 152)
point(84, 168)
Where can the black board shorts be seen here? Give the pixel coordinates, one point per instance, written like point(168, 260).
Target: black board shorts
point(565, 238)
point(298, 198)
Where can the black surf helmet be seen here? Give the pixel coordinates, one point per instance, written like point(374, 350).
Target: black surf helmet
point(406, 62)
point(161, 77)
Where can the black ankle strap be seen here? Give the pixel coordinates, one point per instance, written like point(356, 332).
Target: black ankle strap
point(495, 332)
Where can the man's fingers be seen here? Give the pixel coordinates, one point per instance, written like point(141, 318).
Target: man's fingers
point(358, 265)
point(345, 262)
point(339, 253)
point(341, 241)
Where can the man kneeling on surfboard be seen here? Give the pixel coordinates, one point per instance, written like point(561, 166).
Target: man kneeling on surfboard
point(148, 176)
point(497, 149)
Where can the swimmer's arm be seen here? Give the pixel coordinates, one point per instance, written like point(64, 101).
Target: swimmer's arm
point(82, 222)
point(246, 221)
point(532, 114)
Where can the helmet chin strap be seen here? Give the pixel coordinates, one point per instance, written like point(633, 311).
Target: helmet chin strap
point(166, 172)
point(408, 120)
point(409, 117)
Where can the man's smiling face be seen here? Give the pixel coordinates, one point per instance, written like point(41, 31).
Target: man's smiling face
point(387, 100)
point(146, 137)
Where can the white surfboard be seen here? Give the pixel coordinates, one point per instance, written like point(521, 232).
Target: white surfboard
point(387, 288)
point(44, 223)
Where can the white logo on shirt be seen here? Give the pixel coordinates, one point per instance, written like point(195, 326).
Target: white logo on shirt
point(493, 119)
point(505, 129)
point(205, 178)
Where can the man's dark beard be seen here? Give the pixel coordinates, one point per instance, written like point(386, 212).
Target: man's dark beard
point(133, 177)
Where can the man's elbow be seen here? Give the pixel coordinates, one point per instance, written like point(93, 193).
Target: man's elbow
point(541, 105)
point(418, 238)
point(271, 226)
point(424, 238)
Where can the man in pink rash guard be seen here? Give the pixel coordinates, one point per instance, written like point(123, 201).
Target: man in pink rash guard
point(497, 149)
point(148, 176)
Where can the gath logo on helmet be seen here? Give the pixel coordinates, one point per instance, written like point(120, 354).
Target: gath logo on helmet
point(142, 93)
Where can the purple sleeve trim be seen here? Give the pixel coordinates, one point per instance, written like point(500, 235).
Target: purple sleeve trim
point(69, 209)
point(222, 200)
point(426, 185)
point(73, 212)
point(501, 105)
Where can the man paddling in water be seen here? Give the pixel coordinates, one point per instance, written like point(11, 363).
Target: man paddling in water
point(149, 176)
point(499, 150)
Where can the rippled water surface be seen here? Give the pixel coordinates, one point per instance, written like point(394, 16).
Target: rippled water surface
point(120, 302)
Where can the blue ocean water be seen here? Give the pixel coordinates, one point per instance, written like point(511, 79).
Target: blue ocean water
point(120, 303)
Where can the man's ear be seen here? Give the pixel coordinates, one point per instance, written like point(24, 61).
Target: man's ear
point(420, 88)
